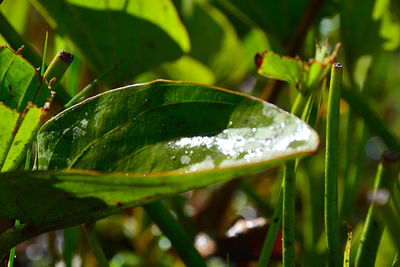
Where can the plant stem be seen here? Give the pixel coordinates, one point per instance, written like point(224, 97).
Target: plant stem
point(273, 229)
point(17, 222)
point(288, 232)
point(14, 236)
point(372, 231)
point(90, 86)
point(57, 67)
point(12, 251)
point(331, 167)
point(94, 243)
point(288, 204)
point(171, 229)
point(42, 69)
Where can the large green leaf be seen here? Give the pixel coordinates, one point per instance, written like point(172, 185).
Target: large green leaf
point(367, 27)
point(20, 83)
point(215, 43)
point(159, 139)
point(142, 33)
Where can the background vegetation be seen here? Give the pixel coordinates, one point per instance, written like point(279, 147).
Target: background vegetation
point(214, 42)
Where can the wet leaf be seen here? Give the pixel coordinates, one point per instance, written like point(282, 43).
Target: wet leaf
point(142, 33)
point(146, 142)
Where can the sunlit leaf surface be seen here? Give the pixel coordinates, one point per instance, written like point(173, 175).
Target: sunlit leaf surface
point(19, 119)
point(158, 139)
point(141, 33)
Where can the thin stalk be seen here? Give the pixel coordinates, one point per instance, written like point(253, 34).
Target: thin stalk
point(90, 86)
point(288, 202)
point(12, 251)
point(331, 167)
point(17, 222)
point(42, 69)
point(57, 67)
point(372, 232)
point(14, 236)
point(94, 243)
point(173, 231)
point(288, 231)
point(273, 229)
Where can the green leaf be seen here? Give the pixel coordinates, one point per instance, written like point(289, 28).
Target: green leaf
point(20, 83)
point(159, 139)
point(367, 27)
point(216, 44)
point(142, 33)
point(304, 76)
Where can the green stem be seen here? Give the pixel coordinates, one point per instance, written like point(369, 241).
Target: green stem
point(17, 222)
point(12, 251)
point(171, 229)
point(288, 232)
point(273, 229)
point(331, 167)
point(90, 86)
point(57, 67)
point(14, 236)
point(361, 106)
point(94, 243)
point(42, 69)
point(373, 230)
point(288, 203)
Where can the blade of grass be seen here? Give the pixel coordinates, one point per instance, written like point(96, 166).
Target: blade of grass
point(285, 205)
point(373, 230)
point(174, 232)
point(17, 222)
point(331, 167)
point(94, 243)
point(269, 242)
point(90, 86)
point(43, 68)
point(288, 203)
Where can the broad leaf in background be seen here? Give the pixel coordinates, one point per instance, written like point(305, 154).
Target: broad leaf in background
point(216, 44)
point(158, 139)
point(367, 26)
point(142, 33)
point(185, 69)
point(304, 76)
point(277, 18)
point(21, 96)
point(16, 16)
